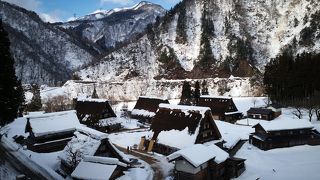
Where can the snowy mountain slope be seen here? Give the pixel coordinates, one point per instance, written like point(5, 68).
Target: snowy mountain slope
point(43, 53)
point(131, 89)
point(107, 28)
point(214, 38)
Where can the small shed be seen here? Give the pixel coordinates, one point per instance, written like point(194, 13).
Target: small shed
point(222, 108)
point(99, 168)
point(284, 133)
point(204, 162)
point(50, 132)
point(187, 124)
point(89, 109)
point(146, 107)
point(260, 113)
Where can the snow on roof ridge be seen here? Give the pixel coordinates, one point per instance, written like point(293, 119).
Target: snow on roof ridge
point(142, 112)
point(92, 99)
point(184, 107)
point(199, 153)
point(104, 160)
point(153, 97)
point(211, 96)
point(50, 114)
point(92, 132)
point(285, 124)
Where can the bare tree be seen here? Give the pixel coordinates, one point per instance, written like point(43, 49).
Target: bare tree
point(317, 111)
point(58, 103)
point(254, 102)
point(267, 101)
point(298, 112)
point(74, 156)
point(310, 109)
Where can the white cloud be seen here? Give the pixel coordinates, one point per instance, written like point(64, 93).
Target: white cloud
point(49, 18)
point(121, 2)
point(35, 5)
point(27, 4)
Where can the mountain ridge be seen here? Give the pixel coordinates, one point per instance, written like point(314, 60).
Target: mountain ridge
point(204, 39)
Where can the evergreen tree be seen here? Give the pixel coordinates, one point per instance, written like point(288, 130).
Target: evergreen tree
point(11, 93)
point(35, 104)
point(294, 81)
point(204, 90)
point(94, 93)
point(197, 93)
point(186, 95)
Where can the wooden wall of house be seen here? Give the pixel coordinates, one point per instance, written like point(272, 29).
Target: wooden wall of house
point(160, 148)
point(285, 141)
point(48, 147)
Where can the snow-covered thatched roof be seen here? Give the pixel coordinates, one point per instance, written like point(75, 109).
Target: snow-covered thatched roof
point(178, 126)
point(92, 167)
point(285, 124)
point(147, 106)
point(51, 123)
point(199, 154)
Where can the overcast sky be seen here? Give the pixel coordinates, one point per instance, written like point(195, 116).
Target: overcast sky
point(62, 10)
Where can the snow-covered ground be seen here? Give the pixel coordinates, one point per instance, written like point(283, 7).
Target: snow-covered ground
point(283, 163)
point(294, 163)
point(49, 162)
point(300, 162)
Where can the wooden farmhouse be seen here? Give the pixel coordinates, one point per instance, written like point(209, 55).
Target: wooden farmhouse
point(268, 113)
point(222, 108)
point(91, 111)
point(175, 127)
point(99, 168)
point(146, 108)
point(284, 133)
point(205, 162)
point(260, 113)
point(88, 142)
point(50, 132)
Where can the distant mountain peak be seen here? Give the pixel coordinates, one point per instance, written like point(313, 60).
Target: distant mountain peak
point(101, 13)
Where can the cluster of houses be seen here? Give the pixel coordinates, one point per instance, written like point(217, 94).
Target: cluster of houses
point(82, 148)
point(187, 135)
point(184, 133)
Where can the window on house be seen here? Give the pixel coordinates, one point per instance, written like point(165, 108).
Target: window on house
point(204, 135)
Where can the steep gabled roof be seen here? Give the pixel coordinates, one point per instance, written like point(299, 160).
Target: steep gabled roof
point(198, 154)
point(52, 123)
point(93, 108)
point(178, 126)
point(218, 104)
point(147, 106)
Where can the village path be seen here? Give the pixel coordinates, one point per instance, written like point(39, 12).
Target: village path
point(158, 175)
